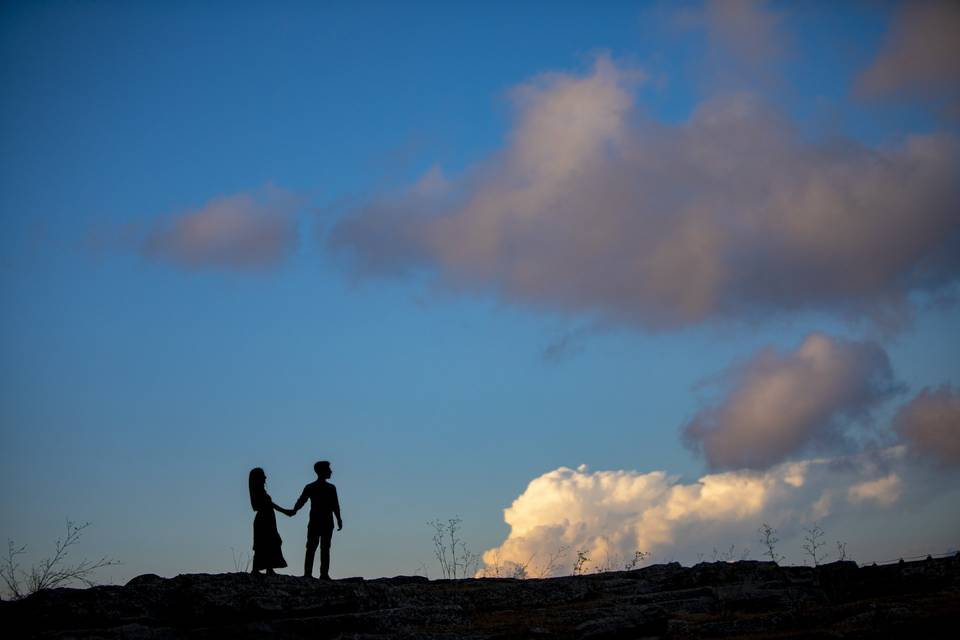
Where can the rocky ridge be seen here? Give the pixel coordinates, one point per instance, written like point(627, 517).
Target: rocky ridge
point(731, 600)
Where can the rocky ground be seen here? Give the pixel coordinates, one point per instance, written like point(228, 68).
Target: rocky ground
point(709, 600)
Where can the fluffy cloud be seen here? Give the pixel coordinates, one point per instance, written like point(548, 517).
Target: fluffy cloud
point(242, 231)
point(930, 424)
point(921, 55)
point(611, 514)
point(592, 209)
point(779, 404)
point(884, 491)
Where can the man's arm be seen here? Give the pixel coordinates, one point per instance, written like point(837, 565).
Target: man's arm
point(302, 500)
point(336, 509)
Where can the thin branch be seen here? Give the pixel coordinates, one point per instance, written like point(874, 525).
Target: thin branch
point(53, 571)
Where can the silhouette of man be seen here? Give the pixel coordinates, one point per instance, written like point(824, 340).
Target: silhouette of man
point(324, 505)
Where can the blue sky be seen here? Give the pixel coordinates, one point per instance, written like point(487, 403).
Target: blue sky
point(138, 390)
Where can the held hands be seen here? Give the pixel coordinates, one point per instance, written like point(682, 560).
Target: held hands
point(288, 512)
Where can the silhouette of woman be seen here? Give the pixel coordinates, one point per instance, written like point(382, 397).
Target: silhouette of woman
point(266, 539)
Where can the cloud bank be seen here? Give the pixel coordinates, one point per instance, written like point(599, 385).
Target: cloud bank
point(732, 214)
point(612, 514)
point(920, 57)
point(244, 231)
point(930, 424)
point(780, 404)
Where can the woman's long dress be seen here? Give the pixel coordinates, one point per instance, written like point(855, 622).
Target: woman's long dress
point(266, 539)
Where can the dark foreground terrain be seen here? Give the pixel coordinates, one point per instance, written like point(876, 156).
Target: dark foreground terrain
point(730, 600)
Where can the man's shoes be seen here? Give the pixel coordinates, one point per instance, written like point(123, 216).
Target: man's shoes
point(326, 577)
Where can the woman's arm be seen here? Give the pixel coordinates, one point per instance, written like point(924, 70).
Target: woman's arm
point(286, 512)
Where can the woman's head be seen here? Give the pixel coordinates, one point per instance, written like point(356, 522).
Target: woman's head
point(256, 482)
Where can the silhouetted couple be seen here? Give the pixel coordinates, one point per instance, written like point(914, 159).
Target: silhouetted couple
point(324, 505)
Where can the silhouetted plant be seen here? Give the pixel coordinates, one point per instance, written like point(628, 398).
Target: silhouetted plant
point(582, 560)
point(813, 543)
point(11, 568)
point(729, 554)
point(241, 561)
point(615, 562)
point(638, 557)
point(724, 556)
point(53, 571)
point(424, 569)
point(552, 561)
point(841, 551)
point(769, 539)
point(519, 572)
point(605, 566)
point(456, 560)
point(493, 569)
point(523, 570)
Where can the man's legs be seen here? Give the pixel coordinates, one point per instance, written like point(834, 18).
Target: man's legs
point(313, 539)
point(325, 538)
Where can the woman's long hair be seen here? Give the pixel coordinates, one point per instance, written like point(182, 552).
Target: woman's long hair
point(256, 485)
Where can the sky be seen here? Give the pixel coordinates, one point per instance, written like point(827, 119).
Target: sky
point(615, 278)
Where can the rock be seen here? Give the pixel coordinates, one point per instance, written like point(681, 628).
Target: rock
point(144, 579)
point(403, 580)
point(743, 599)
point(626, 622)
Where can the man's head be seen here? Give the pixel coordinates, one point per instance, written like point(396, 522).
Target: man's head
point(323, 469)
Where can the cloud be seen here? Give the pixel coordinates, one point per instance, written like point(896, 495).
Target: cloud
point(779, 404)
point(611, 514)
point(593, 209)
point(740, 43)
point(930, 424)
point(748, 29)
point(920, 57)
point(243, 231)
point(884, 491)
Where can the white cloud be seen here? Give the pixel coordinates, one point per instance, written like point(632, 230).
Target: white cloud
point(241, 231)
point(611, 514)
point(779, 404)
point(732, 214)
point(884, 491)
